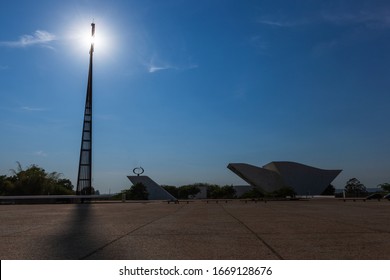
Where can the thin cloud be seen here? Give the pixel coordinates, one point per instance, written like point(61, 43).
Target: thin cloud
point(33, 109)
point(156, 65)
point(275, 23)
point(153, 68)
point(282, 23)
point(39, 38)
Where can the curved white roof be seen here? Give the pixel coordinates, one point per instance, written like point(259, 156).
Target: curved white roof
point(304, 179)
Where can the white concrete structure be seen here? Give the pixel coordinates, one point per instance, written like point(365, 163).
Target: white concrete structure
point(304, 179)
point(156, 192)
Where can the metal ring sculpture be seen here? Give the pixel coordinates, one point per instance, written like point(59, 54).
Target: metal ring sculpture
point(138, 171)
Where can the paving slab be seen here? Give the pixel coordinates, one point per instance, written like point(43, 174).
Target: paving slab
point(309, 229)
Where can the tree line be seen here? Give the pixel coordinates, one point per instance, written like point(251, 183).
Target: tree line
point(34, 180)
point(191, 190)
point(139, 192)
point(355, 188)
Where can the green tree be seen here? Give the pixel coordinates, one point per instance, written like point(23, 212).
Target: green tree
point(355, 187)
point(283, 192)
point(330, 190)
point(34, 181)
point(30, 181)
point(7, 186)
point(137, 192)
point(253, 193)
point(188, 191)
point(385, 187)
point(66, 184)
point(214, 191)
point(227, 192)
point(3, 182)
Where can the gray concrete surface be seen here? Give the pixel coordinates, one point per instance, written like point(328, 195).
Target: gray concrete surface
point(314, 229)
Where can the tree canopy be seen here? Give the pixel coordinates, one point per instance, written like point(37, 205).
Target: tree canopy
point(330, 190)
point(215, 191)
point(282, 192)
point(188, 191)
point(253, 193)
point(355, 187)
point(136, 192)
point(34, 181)
point(385, 187)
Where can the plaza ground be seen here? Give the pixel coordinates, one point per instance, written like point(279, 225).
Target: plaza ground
point(307, 229)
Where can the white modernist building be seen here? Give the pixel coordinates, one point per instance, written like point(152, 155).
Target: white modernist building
point(304, 179)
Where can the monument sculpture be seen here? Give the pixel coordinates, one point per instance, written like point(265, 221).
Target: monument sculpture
point(156, 192)
point(303, 179)
point(84, 177)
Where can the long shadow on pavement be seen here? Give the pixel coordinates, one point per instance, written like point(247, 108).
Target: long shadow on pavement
point(79, 236)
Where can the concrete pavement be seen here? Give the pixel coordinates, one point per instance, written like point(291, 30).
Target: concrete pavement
point(312, 229)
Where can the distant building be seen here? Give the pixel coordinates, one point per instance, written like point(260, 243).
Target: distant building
point(304, 179)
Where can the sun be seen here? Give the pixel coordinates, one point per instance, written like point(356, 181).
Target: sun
point(86, 38)
point(81, 38)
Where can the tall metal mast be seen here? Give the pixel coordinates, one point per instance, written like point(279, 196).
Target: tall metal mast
point(84, 178)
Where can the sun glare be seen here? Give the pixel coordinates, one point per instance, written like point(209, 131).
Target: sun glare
point(81, 38)
point(86, 39)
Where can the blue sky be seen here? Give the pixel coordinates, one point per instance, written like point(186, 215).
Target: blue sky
point(182, 88)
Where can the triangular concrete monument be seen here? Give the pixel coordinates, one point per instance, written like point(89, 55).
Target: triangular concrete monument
point(156, 192)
